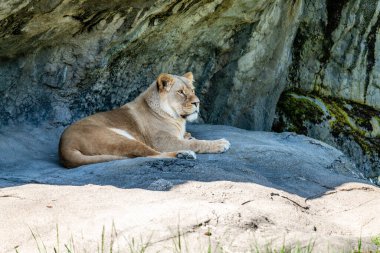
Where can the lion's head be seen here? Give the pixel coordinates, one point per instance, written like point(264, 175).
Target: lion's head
point(177, 96)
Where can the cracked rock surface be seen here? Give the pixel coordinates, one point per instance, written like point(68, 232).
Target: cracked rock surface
point(268, 188)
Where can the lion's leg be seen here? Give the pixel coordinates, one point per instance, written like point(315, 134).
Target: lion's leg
point(134, 148)
point(119, 145)
point(182, 154)
point(198, 146)
point(94, 144)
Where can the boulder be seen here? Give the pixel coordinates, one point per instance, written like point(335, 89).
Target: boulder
point(346, 125)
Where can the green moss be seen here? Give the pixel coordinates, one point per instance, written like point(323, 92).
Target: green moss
point(340, 120)
point(354, 120)
point(376, 124)
point(346, 118)
point(299, 110)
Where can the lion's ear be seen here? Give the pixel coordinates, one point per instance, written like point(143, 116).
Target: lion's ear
point(164, 82)
point(189, 76)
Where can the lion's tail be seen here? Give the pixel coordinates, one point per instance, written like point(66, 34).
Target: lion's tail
point(75, 158)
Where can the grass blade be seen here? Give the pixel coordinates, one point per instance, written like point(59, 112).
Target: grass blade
point(35, 239)
point(57, 235)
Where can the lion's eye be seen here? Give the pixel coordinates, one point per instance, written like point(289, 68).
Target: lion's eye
point(180, 92)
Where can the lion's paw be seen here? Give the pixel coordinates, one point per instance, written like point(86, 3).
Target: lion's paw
point(187, 136)
point(186, 154)
point(221, 145)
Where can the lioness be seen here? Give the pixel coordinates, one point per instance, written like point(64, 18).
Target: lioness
point(153, 125)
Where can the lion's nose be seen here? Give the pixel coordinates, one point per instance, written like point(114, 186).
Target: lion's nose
point(196, 102)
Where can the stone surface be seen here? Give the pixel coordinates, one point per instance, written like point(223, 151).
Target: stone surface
point(60, 61)
point(348, 126)
point(267, 189)
point(336, 50)
point(336, 54)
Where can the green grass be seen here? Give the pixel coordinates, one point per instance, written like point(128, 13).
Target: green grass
point(284, 248)
point(376, 241)
point(359, 250)
point(180, 245)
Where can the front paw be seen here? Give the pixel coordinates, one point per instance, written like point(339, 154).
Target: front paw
point(186, 154)
point(187, 136)
point(220, 146)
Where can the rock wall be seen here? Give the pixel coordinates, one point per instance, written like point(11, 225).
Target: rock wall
point(337, 50)
point(60, 61)
point(335, 70)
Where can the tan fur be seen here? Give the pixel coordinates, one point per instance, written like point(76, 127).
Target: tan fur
point(153, 125)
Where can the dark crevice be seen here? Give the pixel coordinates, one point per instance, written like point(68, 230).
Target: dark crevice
point(371, 41)
point(297, 47)
point(185, 7)
point(221, 81)
point(130, 18)
point(334, 10)
point(13, 24)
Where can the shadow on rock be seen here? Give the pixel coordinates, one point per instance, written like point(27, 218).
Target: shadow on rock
point(289, 162)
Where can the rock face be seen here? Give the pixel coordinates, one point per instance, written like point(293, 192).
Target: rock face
point(336, 61)
point(268, 188)
point(60, 60)
point(336, 50)
point(348, 126)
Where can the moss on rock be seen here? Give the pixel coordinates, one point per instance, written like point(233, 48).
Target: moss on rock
point(339, 122)
point(298, 110)
point(345, 117)
point(354, 120)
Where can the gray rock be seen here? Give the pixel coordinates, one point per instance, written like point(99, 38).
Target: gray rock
point(96, 55)
point(336, 50)
point(286, 161)
point(160, 185)
point(348, 126)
